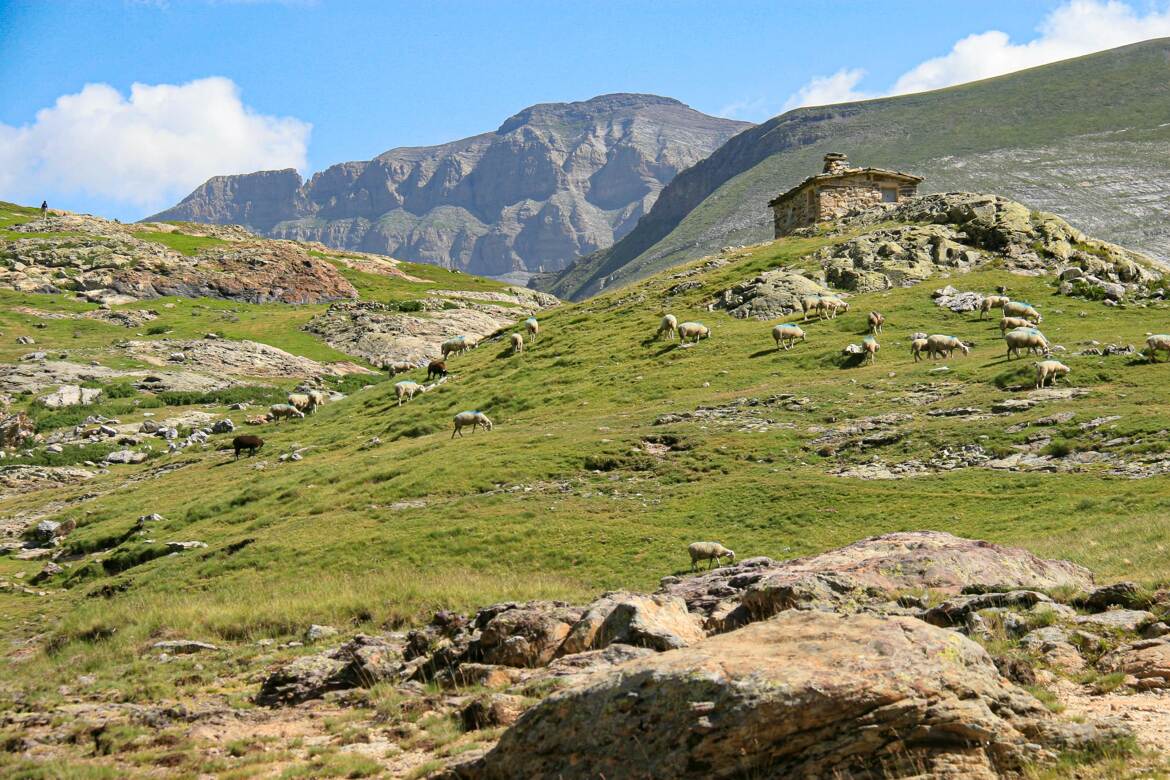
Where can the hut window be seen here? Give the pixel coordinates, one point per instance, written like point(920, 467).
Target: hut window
point(889, 195)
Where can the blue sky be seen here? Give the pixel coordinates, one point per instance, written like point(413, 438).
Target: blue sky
point(309, 84)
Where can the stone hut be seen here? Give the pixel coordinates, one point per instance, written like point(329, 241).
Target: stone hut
point(836, 191)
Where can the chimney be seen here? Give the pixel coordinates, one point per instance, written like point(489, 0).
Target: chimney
point(835, 163)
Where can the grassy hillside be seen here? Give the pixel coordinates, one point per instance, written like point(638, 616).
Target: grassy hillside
point(1086, 138)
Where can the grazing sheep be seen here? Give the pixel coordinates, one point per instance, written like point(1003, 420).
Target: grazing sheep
point(278, 412)
point(693, 331)
point(399, 367)
point(1157, 342)
point(247, 442)
point(1026, 338)
point(876, 321)
point(257, 419)
point(1011, 323)
point(458, 344)
point(917, 347)
point(788, 334)
point(708, 551)
point(810, 303)
point(472, 418)
point(870, 346)
point(992, 302)
point(1019, 309)
point(436, 368)
point(533, 328)
point(517, 343)
point(668, 326)
point(406, 389)
point(830, 307)
point(1050, 369)
point(318, 397)
point(944, 346)
point(302, 401)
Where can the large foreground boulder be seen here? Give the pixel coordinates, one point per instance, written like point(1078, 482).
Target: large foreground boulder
point(805, 694)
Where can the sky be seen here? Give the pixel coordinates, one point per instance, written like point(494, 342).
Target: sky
point(122, 107)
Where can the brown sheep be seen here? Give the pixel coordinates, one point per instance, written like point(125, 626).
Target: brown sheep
point(436, 368)
point(247, 442)
point(876, 321)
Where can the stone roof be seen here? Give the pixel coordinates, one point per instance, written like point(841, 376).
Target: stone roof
point(823, 177)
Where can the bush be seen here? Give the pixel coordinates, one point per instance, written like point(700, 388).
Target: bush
point(157, 330)
point(410, 306)
point(1058, 448)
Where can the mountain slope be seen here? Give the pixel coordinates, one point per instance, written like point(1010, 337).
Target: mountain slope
point(555, 181)
point(1088, 138)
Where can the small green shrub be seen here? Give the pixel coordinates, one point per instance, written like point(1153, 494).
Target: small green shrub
point(410, 306)
point(156, 330)
point(1058, 448)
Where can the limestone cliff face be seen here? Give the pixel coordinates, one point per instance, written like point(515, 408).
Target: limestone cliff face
point(555, 181)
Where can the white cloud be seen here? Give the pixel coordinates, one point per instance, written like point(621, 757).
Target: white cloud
point(824, 90)
point(1071, 30)
point(147, 149)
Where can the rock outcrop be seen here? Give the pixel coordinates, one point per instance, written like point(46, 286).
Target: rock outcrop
point(554, 181)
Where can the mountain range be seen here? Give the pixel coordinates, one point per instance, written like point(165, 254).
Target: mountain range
point(1087, 138)
point(553, 182)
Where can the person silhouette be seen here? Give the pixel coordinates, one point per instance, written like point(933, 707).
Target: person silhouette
point(44, 208)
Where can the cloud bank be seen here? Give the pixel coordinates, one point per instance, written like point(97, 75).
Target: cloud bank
point(145, 149)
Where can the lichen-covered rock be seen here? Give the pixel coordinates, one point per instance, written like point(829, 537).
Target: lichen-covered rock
point(496, 709)
point(1118, 619)
point(770, 295)
point(522, 635)
point(806, 694)
point(1147, 661)
point(1052, 644)
point(658, 622)
point(359, 663)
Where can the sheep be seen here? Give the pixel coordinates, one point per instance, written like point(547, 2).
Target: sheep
point(436, 368)
point(399, 367)
point(668, 326)
point(1028, 338)
point(278, 412)
point(302, 401)
point(247, 442)
point(1156, 342)
point(406, 389)
point(992, 302)
point(917, 335)
point(1019, 309)
point(517, 343)
point(1011, 323)
point(876, 321)
point(944, 346)
point(1049, 369)
point(917, 347)
point(870, 346)
point(458, 344)
point(694, 331)
point(318, 397)
point(830, 307)
point(708, 551)
point(788, 334)
point(533, 328)
point(256, 419)
point(810, 303)
point(474, 419)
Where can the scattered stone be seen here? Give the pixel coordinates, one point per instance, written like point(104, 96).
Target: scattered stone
point(70, 395)
point(1118, 619)
point(1146, 661)
point(491, 711)
point(126, 457)
point(182, 646)
point(315, 633)
point(223, 426)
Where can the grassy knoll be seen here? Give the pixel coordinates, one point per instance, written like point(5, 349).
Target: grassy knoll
point(182, 243)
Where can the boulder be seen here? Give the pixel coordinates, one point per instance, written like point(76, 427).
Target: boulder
point(361, 662)
point(495, 709)
point(658, 622)
point(126, 457)
point(593, 660)
point(316, 633)
point(48, 531)
point(223, 426)
point(1118, 594)
point(1052, 644)
point(16, 429)
point(522, 635)
point(70, 395)
point(1118, 619)
point(1148, 661)
point(806, 694)
point(770, 295)
point(953, 612)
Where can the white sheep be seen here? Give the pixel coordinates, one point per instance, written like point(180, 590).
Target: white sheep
point(876, 321)
point(693, 331)
point(1050, 369)
point(1155, 343)
point(399, 367)
point(668, 326)
point(318, 397)
point(406, 389)
point(474, 419)
point(1025, 338)
point(517, 343)
point(944, 346)
point(533, 328)
point(280, 411)
point(810, 303)
point(870, 346)
point(992, 302)
point(788, 334)
point(917, 347)
point(301, 401)
point(1020, 309)
point(829, 307)
point(458, 344)
point(1011, 323)
point(708, 551)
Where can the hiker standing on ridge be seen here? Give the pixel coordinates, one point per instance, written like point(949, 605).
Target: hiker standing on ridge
point(44, 208)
